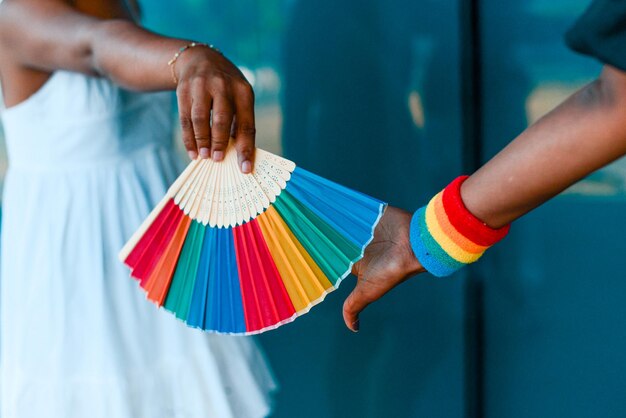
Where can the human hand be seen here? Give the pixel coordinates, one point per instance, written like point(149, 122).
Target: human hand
point(215, 102)
point(387, 262)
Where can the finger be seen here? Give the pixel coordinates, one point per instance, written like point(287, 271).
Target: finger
point(184, 111)
point(222, 120)
point(245, 128)
point(200, 117)
point(233, 128)
point(353, 306)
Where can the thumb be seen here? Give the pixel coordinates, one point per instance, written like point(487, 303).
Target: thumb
point(352, 307)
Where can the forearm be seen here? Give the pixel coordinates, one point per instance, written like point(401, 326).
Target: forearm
point(134, 57)
point(581, 135)
point(51, 35)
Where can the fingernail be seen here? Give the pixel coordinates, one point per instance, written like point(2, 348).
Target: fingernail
point(246, 167)
point(218, 155)
point(192, 154)
point(204, 152)
point(356, 325)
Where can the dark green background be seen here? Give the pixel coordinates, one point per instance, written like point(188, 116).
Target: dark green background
point(370, 93)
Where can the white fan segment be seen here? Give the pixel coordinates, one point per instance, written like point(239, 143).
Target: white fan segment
point(220, 195)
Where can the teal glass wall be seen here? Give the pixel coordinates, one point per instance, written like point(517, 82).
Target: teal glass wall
point(555, 291)
point(369, 96)
point(365, 93)
point(370, 93)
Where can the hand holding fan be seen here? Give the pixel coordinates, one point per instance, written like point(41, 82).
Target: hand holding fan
point(244, 253)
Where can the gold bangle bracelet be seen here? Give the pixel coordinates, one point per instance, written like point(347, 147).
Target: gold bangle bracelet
point(172, 62)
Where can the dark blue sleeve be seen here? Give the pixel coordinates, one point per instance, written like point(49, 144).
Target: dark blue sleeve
point(601, 32)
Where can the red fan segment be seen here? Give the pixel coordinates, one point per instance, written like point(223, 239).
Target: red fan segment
point(158, 283)
point(146, 254)
point(265, 299)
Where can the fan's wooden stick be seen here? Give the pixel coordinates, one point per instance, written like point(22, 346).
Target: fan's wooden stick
point(174, 188)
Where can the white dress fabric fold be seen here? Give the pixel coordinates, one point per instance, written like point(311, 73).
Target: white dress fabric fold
point(87, 162)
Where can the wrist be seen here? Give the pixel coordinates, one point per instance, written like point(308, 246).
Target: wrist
point(413, 265)
point(193, 54)
point(445, 236)
point(484, 208)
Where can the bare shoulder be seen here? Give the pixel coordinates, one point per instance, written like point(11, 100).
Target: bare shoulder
point(44, 34)
point(26, 19)
point(20, 25)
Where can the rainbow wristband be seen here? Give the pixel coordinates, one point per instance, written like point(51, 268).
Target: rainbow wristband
point(445, 236)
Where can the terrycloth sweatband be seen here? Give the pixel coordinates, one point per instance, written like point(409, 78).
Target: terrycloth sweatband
point(445, 236)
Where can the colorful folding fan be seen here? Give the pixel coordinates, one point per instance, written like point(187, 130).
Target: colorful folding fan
point(241, 254)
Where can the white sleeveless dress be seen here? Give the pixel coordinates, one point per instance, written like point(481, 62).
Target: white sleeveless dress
point(78, 339)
